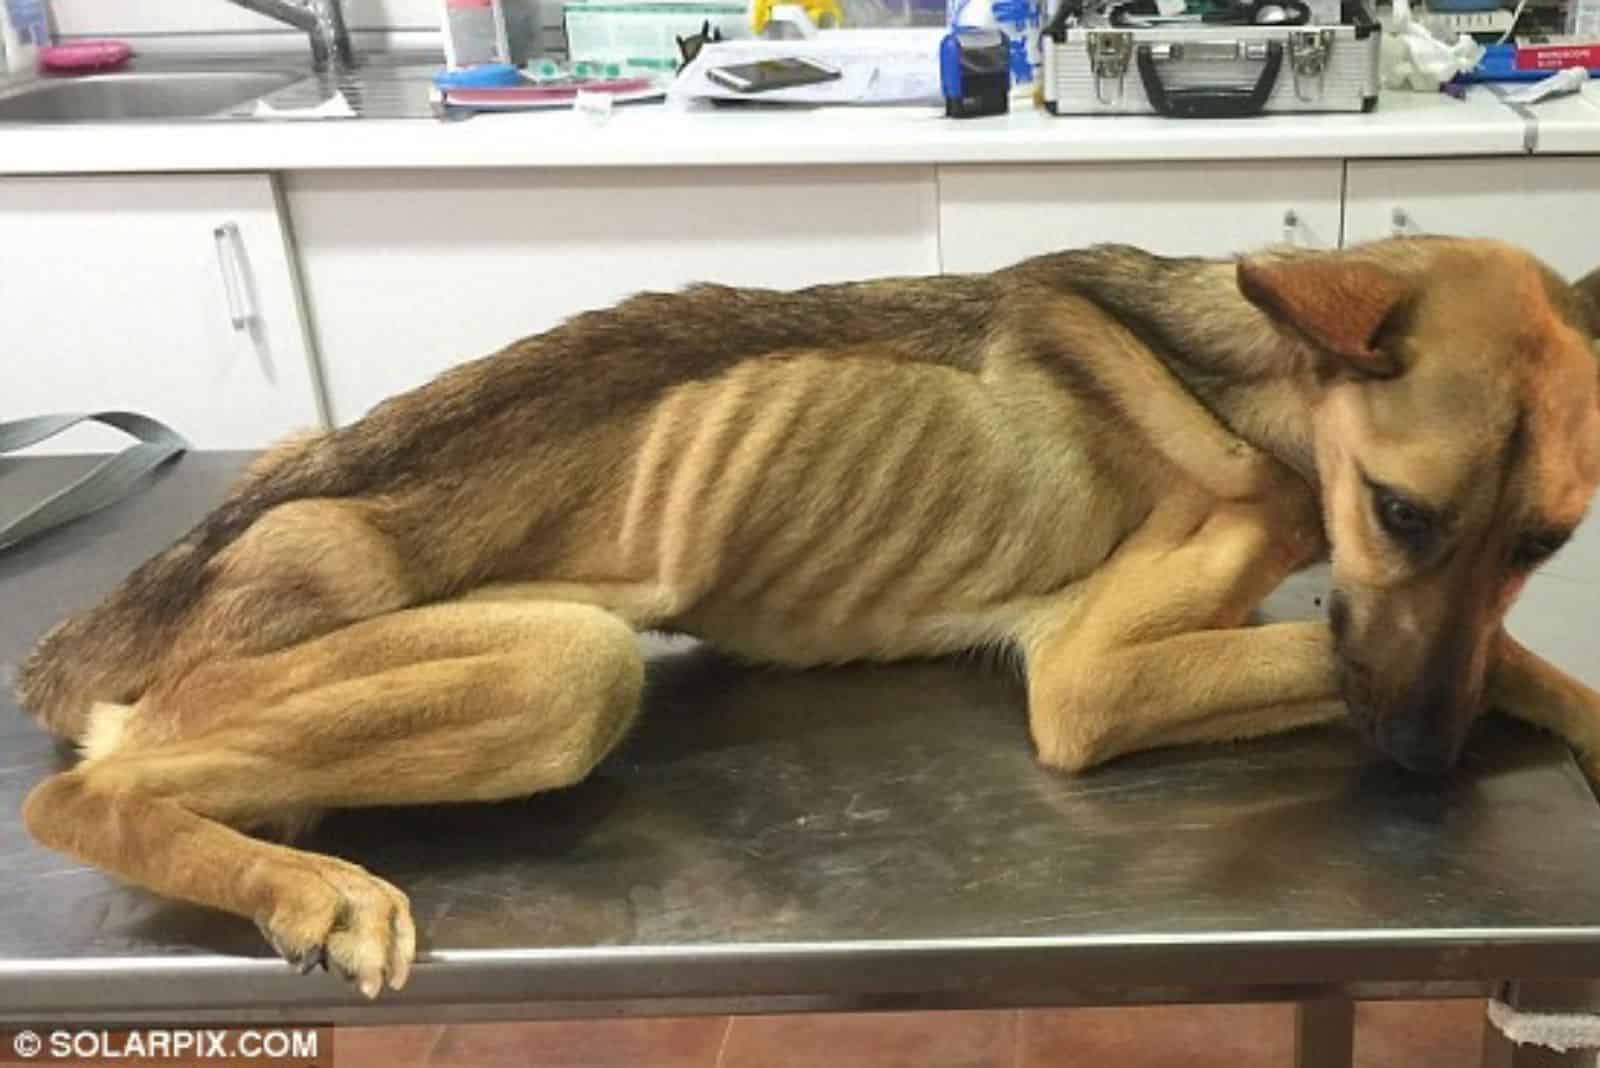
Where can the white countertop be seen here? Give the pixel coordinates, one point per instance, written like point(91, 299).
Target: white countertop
point(1405, 124)
point(1568, 125)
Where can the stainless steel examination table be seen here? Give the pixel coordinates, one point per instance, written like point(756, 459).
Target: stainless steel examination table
point(865, 838)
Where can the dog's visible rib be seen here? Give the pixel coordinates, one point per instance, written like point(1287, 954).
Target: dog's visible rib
point(427, 445)
point(598, 369)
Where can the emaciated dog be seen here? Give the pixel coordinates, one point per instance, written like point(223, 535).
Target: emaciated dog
point(1100, 460)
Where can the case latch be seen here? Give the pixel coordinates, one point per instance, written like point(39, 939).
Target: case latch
point(1110, 52)
point(1309, 51)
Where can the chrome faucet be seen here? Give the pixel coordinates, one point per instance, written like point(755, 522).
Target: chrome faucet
point(323, 22)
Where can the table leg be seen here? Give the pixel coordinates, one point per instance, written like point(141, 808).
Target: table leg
point(1324, 1033)
point(1500, 1052)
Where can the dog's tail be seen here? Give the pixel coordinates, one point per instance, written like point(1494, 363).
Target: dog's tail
point(111, 652)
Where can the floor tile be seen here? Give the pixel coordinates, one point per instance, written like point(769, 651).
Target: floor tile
point(1418, 1034)
point(874, 1040)
point(380, 1047)
point(688, 1042)
point(1404, 1034)
point(1175, 1036)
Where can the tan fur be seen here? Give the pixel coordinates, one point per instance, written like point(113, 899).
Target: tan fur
point(1098, 462)
point(107, 722)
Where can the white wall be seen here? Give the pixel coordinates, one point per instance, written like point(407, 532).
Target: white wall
point(135, 17)
point(218, 26)
point(207, 26)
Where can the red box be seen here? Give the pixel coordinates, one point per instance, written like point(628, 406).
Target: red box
point(1557, 56)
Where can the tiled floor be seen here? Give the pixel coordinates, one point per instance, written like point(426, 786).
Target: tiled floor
point(1420, 1034)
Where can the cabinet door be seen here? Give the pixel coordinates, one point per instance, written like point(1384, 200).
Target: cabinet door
point(991, 216)
point(1558, 614)
point(1556, 617)
point(409, 273)
point(1549, 205)
point(169, 295)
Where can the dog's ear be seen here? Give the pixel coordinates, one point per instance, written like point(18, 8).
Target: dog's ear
point(1345, 305)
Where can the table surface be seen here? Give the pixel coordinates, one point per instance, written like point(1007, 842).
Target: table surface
point(862, 837)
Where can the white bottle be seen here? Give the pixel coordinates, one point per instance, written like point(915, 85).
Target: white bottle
point(24, 29)
point(474, 33)
point(970, 14)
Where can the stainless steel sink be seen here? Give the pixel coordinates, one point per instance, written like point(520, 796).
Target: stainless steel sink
point(384, 86)
point(142, 95)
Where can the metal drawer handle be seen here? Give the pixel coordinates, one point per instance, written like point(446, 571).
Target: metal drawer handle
point(235, 277)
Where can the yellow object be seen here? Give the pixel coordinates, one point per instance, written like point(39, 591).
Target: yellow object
point(761, 12)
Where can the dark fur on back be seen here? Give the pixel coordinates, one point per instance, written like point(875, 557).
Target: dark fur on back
point(607, 365)
point(596, 367)
point(1131, 285)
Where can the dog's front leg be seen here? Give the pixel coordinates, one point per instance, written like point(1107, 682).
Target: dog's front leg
point(1162, 410)
point(1151, 650)
point(1531, 688)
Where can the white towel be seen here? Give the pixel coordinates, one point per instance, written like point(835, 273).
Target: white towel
point(1560, 1031)
point(335, 107)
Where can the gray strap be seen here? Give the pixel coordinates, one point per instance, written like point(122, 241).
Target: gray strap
point(1530, 118)
point(108, 482)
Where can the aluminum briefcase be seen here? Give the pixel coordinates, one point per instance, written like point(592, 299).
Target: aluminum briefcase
point(1195, 71)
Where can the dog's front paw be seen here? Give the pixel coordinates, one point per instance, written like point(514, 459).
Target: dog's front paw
point(345, 919)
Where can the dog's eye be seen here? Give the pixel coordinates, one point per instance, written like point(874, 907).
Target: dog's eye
point(1535, 549)
point(1406, 521)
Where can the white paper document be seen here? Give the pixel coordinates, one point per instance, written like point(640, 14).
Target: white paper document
point(898, 66)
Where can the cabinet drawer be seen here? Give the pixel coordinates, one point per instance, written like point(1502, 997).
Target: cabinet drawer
point(991, 216)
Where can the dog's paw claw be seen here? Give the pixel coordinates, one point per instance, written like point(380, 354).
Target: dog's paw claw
point(345, 920)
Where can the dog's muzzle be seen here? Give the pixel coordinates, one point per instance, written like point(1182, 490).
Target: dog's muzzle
point(1417, 735)
point(1415, 746)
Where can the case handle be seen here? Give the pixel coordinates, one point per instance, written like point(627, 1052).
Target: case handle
point(1210, 102)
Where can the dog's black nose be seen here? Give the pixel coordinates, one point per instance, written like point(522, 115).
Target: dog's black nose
point(1416, 748)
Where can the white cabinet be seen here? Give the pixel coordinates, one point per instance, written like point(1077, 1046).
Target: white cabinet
point(1555, 617)
point(409, 273)
point(170, 295)
point(992, 215)
point(1549, 205)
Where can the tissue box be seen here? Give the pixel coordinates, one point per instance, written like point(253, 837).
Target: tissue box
point(642, 35)
point(1531, 58)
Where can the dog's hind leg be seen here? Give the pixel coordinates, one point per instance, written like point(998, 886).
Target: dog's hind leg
point(450, 702)
point(1151, 650)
